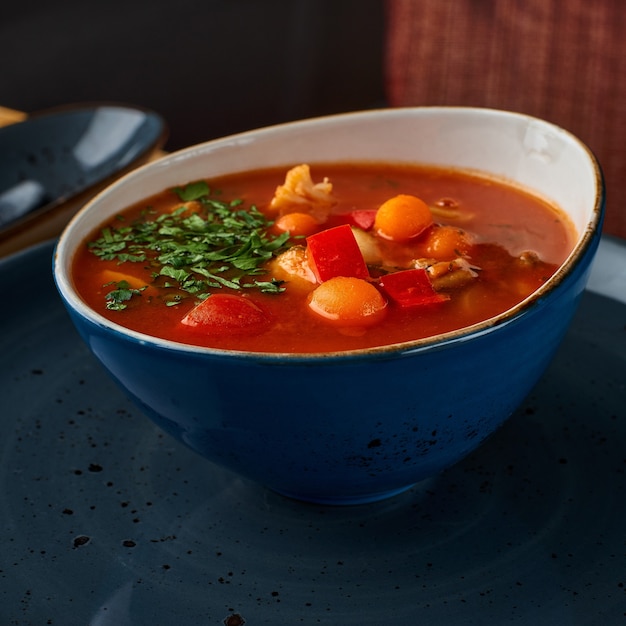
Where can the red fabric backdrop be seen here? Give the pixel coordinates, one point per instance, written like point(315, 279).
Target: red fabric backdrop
point(560, 60)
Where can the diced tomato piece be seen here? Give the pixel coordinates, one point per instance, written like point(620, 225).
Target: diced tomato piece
point(363, 218)
point(335, 252)
point(222, 314)
point(410, 288)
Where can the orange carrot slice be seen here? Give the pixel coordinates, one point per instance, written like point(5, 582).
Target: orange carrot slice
point(402, 217)
point(348, 301)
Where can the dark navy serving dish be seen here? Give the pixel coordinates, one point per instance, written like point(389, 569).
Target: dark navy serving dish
point(65, 155)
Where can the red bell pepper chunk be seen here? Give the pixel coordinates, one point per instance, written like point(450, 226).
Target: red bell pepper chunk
point(410, 288)
point(335, 252)
point(223, 314)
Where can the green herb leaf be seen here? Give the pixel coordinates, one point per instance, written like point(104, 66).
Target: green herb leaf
point(222, 245)
point(192, 191)
point(271, 286)
point(117, 298)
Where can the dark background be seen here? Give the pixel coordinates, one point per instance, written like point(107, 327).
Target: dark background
point(210, 68)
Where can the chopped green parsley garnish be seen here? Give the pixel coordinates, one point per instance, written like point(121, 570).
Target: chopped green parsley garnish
point(117, 298)
point(193, 251)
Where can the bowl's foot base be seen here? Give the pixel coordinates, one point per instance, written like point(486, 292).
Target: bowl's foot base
point(344, 500)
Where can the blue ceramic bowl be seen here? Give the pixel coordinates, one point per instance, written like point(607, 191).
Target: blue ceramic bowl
point(359, 426)
point(56, 160)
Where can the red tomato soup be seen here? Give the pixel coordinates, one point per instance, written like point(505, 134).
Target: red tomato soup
point(330, 258)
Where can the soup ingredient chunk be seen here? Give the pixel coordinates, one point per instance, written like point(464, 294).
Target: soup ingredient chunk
point(450, 274)
point(297, 224)
point(110, 277)
point(411, 288)
point(369, 246)
point(120, 293)
point(402, 217)
point(299, 189)
point(447, 242)
point(348, 301)
point(335, 252)
point(362, 218)
point(226, 314)
point(123, 287)
point(292, 268)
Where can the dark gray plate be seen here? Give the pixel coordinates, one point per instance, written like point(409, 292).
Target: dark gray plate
point(54, 156)
point(106, 521)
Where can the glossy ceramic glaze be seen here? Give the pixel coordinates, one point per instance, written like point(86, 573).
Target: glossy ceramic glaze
point(54, 156)
point(359, 426)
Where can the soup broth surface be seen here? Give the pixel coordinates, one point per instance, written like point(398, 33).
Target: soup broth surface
point(508, 243)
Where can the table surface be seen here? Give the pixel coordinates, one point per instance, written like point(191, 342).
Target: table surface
point(10, 116)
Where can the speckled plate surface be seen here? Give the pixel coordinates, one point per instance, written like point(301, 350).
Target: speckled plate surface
point(106, 521)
